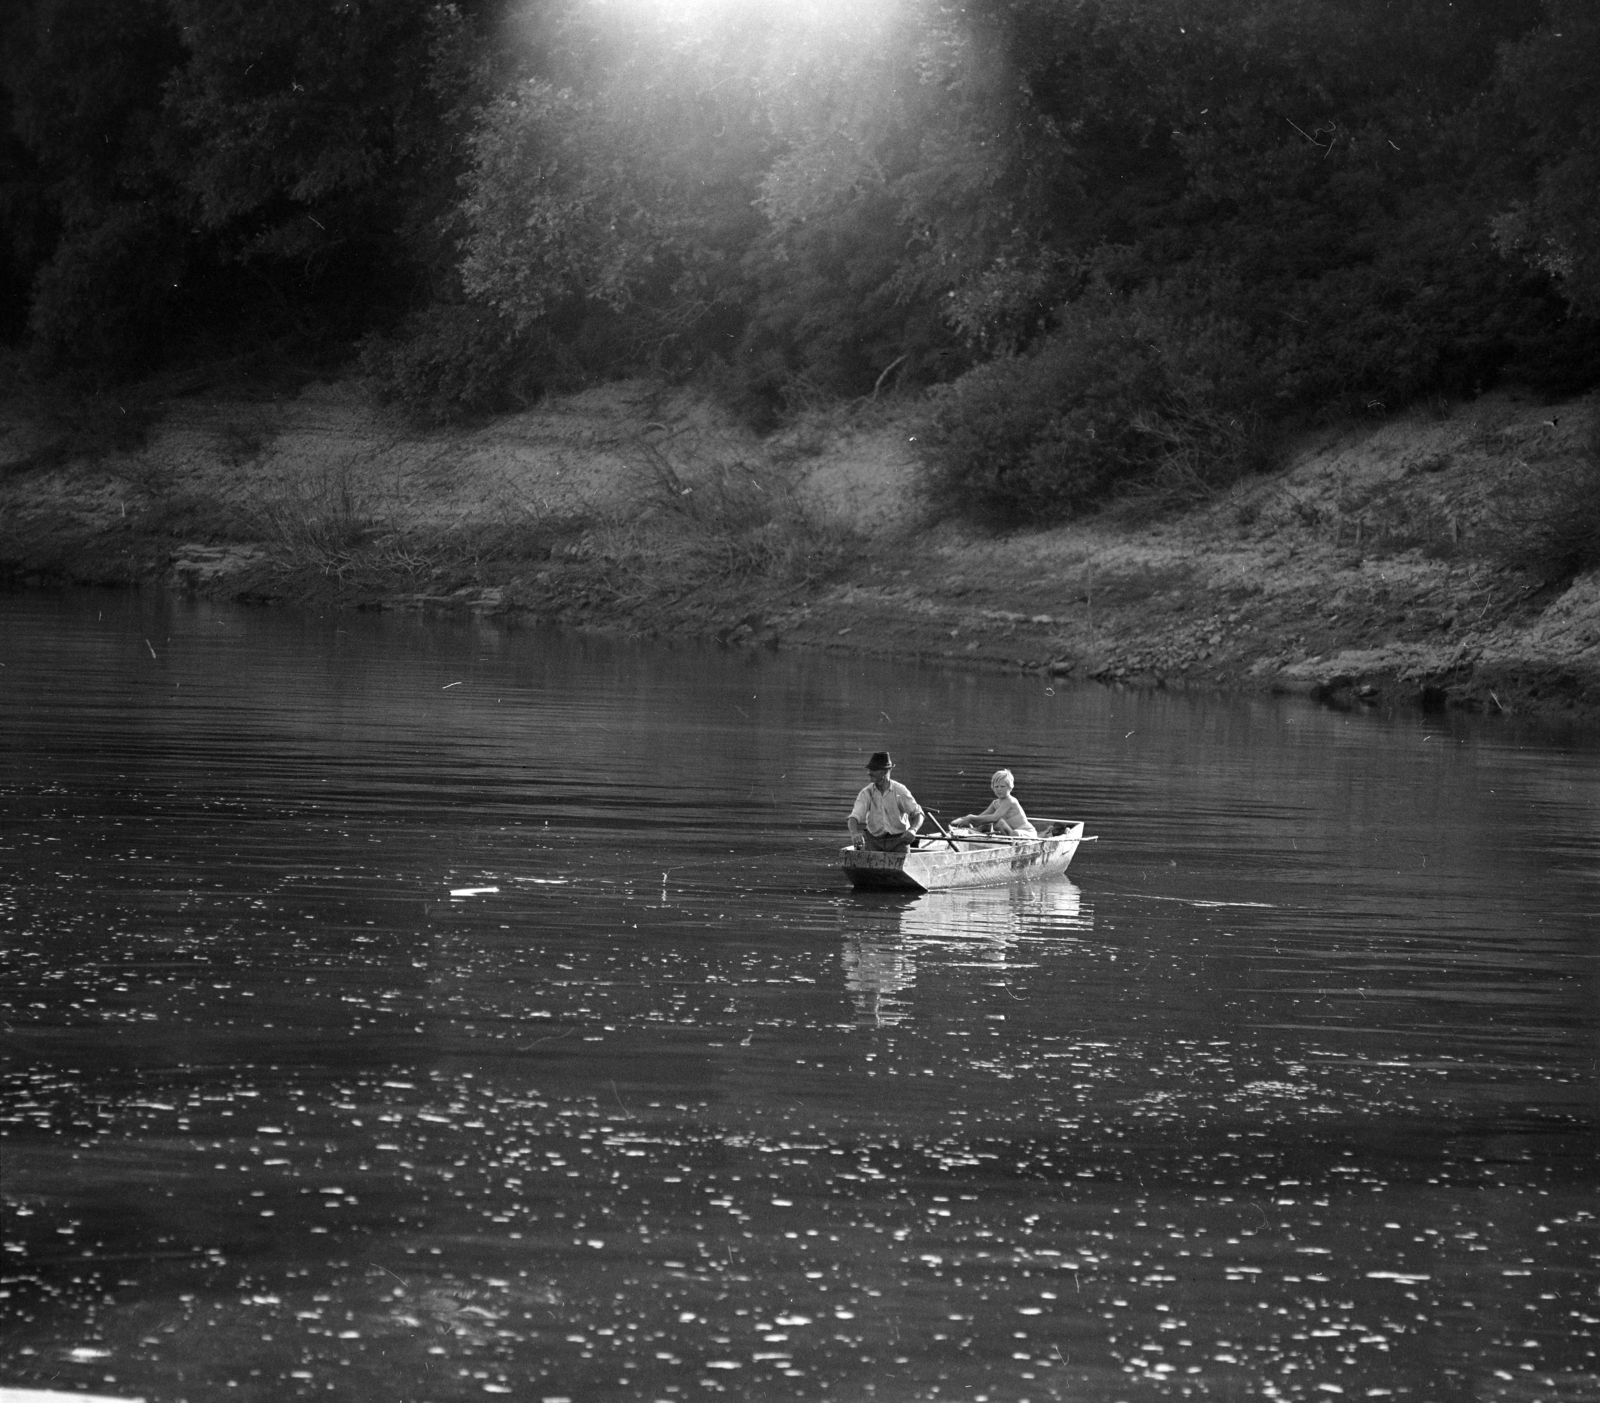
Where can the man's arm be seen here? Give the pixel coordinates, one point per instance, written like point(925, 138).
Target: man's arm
point(914, 813)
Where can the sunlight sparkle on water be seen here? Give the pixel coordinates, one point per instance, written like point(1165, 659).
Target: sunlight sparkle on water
point(1258, 1100)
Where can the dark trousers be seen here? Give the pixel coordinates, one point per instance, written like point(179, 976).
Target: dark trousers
point(888, 842)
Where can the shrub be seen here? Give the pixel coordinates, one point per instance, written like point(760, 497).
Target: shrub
point(456, 361)
point(1128, 394)
point(1435, 309)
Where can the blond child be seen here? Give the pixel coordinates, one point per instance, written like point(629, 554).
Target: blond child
point(1005, 814)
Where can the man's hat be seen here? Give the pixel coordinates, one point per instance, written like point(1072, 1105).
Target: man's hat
point(880, 761)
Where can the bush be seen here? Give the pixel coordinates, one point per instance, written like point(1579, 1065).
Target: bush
point(1127, 395)
point(1434, 310)
point(456, 361)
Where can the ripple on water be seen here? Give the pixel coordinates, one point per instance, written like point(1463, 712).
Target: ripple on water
point(519, 1038)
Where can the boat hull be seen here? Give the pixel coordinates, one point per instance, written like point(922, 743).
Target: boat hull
point(939, 865)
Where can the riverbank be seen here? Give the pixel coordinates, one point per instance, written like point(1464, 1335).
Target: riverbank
point(1371, 571)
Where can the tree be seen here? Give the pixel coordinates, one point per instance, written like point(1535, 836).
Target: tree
point(301, 108)
point(318, 143)
point(911, 209)
point(84, 79)
point(196, 171)
point(1553, 81)
point(623, 202)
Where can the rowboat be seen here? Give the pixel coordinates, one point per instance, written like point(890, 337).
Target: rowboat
point(962, 859)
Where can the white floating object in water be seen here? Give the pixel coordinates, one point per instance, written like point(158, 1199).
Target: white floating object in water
point(472, 891)
point(49, 1395)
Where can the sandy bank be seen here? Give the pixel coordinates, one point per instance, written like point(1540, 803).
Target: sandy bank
point(1365, 573)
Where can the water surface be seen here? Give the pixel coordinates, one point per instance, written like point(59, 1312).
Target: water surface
point(1289, 1091)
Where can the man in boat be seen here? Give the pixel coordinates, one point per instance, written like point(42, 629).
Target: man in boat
point(1005, 814)
point(885, 818)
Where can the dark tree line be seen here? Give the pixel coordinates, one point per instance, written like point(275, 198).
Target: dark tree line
point(1116, 238)
point(184, 176)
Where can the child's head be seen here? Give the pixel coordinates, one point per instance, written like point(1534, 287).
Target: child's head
point(1002, 782)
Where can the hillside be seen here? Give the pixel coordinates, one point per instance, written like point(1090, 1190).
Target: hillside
point(1367, 572)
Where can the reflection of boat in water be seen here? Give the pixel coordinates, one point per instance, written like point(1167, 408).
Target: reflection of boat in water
point(963, 860)
point(1039, 910)
point(972, 927)
point(877, 972)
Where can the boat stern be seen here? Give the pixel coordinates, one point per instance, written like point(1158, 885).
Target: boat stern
point(875, 871)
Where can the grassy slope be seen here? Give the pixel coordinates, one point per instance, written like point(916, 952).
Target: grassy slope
point(1364, 573)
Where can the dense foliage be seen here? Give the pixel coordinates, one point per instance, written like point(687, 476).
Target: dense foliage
point(184, 177)
point(1123, 241)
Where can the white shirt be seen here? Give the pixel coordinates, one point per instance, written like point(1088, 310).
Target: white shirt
point(886, 811)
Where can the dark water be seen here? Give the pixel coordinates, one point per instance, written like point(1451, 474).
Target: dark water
point(1291, 1091)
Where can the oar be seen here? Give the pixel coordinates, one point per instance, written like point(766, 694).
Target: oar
point(1016, 837)
point(981, 837)
point(997, 838)
point(935, 817)
point(1002, 839)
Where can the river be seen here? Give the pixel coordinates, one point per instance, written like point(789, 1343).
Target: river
point(400, 1008)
